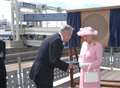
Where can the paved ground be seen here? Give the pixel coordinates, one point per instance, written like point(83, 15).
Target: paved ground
point(66, 85)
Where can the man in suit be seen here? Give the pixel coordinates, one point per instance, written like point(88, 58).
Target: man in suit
point(2, 65)
point(49, 57)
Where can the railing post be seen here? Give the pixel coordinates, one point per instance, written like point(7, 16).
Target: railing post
point(111, 58)
point(19, 73)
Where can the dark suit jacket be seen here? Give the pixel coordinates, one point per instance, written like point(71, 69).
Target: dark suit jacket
point(48, 58)
point(2, 65)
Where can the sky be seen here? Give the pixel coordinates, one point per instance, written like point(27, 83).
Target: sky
point(5, 11)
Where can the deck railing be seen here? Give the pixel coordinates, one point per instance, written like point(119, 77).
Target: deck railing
point(19, 78)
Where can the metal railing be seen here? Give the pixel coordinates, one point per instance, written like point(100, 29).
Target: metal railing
point(20, 78)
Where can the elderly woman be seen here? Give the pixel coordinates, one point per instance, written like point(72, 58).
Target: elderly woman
point(90, 58)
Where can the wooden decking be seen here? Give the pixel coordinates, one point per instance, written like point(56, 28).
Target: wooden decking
point(109, 79)
point(110, 75)
point(104, 85)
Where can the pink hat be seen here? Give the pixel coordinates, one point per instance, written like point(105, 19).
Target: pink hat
point(87, 31)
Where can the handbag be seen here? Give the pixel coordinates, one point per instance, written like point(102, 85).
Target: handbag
point(90, 77)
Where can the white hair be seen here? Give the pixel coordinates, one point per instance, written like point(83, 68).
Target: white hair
point(67, 28)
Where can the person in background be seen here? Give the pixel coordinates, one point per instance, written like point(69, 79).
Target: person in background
point(90, 58)
point(2, 65)
point(49, 57)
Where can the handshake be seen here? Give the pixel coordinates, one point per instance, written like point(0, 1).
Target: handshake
point(73, 64)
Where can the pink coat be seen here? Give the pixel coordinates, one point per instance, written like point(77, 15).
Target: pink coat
point(90, 53)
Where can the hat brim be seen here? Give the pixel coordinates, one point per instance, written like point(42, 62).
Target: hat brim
point(83, 33)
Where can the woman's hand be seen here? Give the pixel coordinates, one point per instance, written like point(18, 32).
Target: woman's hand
point(89, 66)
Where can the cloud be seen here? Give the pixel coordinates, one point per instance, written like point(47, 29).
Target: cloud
point(107, 2)
point(65, 4)
point(72, 4)
point(5, 10)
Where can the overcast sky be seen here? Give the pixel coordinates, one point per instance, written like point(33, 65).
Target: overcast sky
point(5, 11)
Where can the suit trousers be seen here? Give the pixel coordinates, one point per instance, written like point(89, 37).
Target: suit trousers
point(39, 85)
point(3, 82)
